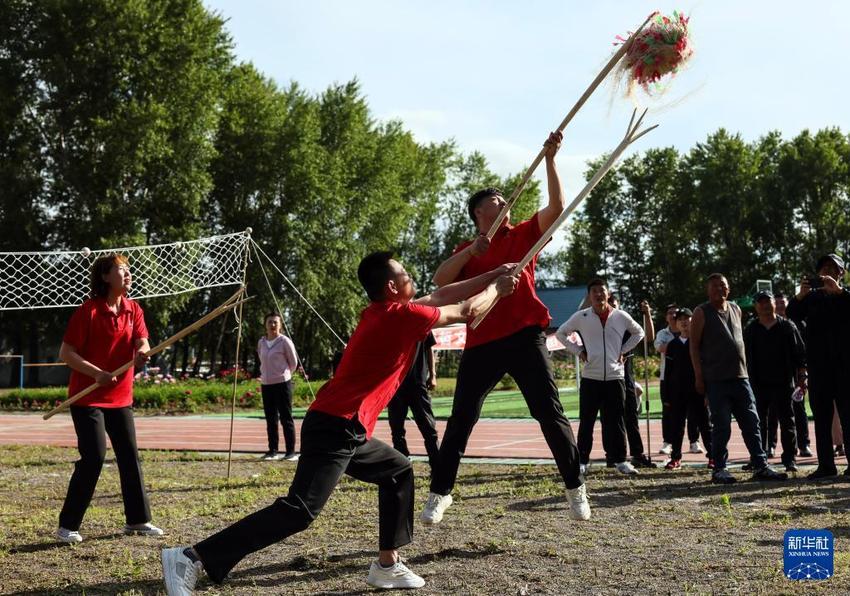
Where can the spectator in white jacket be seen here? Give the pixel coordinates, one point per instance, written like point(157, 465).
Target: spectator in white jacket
point(601, 329)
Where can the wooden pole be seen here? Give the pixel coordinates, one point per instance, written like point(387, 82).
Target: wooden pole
point(584, 97)
point(632, 135)
point(231, 302)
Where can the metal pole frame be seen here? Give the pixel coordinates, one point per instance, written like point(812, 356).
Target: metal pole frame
point(646, 388)
point(238, 345)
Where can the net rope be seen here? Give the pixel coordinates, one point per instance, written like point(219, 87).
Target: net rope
point(30, 280)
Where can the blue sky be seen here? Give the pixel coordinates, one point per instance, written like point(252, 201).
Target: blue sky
point(497, 76)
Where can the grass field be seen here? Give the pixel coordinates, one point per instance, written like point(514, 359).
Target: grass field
point(507, 533)
point(499, 404)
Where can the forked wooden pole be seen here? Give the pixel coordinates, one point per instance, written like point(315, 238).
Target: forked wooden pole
point(581, 100)
point(231, 302)
point(632, 135)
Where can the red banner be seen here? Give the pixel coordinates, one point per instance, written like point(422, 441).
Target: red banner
point(454, 338)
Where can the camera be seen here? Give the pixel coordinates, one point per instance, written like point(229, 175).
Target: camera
point(815, 282)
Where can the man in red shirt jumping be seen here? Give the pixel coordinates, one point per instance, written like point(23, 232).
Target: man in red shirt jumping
point(336, 435)
point(511, 340)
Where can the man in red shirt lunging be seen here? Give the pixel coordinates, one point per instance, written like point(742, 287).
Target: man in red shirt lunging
point(510, 340)
point(336, 435)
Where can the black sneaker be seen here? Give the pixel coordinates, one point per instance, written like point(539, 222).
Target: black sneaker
point(821, 473)
point(806, 451)
point(791, 467)
point(771, 452)
point(768, 473)
point(748, 467)
point(642, 461)
point(722, 476)
point(839, 451)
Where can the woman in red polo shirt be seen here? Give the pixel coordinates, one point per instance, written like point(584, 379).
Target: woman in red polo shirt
point(104, 333)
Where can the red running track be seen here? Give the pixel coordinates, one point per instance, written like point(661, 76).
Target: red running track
point(491, 438)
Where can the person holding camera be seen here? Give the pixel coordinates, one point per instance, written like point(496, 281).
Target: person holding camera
point(825, 307)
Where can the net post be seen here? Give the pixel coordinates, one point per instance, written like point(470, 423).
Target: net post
point(238, 345)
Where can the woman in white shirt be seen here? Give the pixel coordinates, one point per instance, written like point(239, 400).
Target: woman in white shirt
point(278, 360)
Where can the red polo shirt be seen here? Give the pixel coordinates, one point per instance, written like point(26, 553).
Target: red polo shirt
point(375, 361)
point(522, 308)
point(108, 341)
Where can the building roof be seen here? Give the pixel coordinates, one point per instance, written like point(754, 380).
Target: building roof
point(562, 302)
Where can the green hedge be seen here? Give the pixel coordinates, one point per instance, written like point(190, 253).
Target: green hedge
point(181, 397)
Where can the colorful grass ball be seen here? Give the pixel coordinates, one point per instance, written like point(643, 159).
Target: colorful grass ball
point(660, 49)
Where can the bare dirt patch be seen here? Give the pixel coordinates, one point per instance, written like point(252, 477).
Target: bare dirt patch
point(507, 533)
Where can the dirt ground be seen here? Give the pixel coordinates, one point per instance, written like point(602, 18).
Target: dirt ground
point(507, 533)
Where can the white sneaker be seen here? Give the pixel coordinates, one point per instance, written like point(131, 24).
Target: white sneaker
point(68, 536)
point(179, 571)
point(579, 507)
point(291, 456)
point(435, 506)
point(626, 468)
point(395, 577)
point(666, 449)
point(696, 448)
point(147, 529)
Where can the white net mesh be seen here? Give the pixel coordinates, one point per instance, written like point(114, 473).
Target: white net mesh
point(58, 279)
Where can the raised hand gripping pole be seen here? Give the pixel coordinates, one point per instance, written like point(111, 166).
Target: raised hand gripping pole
point(588, 92)
point(231, 302)
point(632, 135)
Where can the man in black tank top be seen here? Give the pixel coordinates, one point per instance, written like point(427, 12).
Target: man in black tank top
point(720, 371)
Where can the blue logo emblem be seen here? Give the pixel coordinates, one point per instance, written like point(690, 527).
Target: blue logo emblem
point(809, 554)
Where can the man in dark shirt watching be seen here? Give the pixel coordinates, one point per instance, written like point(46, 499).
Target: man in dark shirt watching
point(776, 363)
point(801, 417)
point(720, 371)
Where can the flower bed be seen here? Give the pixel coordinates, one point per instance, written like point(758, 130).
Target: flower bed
point(164, 393)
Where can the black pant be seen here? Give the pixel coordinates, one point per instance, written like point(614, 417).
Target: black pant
point(277, 403)
point(665, 411)
point(801, 422)
point(609, 397)
point(330, 447)
point(92, 425)
point(693, 429)
point(631, 419)
point(524, 356)
point(416, 398)
point(777, 401)
point(691, 407)
point(824, 391)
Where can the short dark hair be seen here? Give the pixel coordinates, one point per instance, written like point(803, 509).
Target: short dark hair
point(779, 295)
point(102, 266)
point(597, 281)
point(270, 315)
point(482, 194)
point(374, 272)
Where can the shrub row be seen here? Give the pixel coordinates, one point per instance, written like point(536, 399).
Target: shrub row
point(178, 397)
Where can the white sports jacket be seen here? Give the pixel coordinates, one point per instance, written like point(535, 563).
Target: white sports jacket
point(603, 344)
